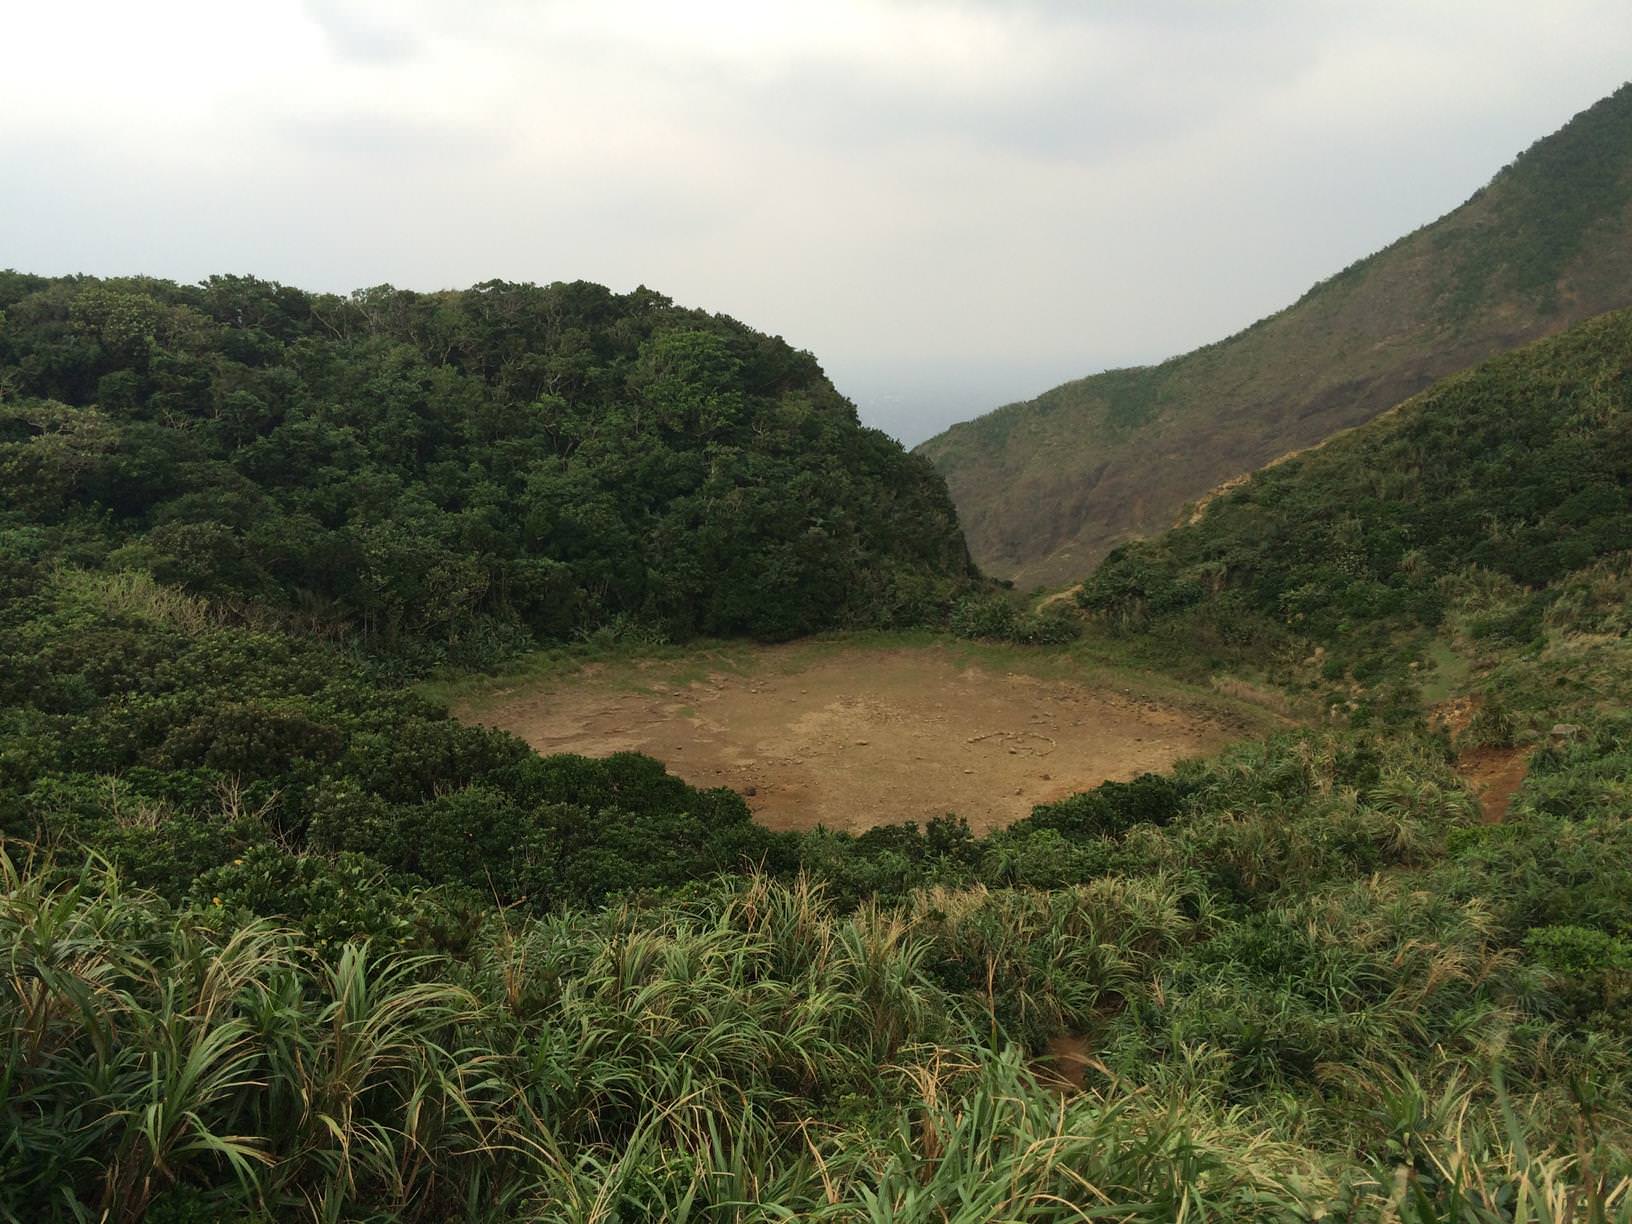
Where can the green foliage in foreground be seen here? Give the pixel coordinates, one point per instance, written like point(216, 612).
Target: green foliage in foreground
point(1304, 973)
point(460, 471)
point(750, 1053)
point(1305, 977)
point(1495, 509)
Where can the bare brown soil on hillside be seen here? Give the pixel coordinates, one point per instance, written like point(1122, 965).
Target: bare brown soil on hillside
point(861, 737)
point(1493, 774)
point(1064, 1064)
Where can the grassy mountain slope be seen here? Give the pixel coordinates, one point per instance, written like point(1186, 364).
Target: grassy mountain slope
point(1046, 488)
point(1484, 526)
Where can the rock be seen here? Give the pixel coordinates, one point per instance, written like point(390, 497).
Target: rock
point(1564, 731)
point(861, 743)
point(750, 791)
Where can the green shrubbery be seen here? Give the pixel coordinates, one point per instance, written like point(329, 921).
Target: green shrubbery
point(279, 939)
point(1593, 970)
point(1250, 948)
point(1114, 808)
point(452, 475)
point(995, 617)
point(1309, 984)
point(182, 749)
point(1492, 510)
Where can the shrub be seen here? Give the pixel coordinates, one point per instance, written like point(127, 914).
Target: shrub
point(1113, 808)
point(1593, 970)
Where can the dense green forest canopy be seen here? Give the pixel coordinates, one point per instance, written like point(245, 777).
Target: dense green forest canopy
point(464, 468)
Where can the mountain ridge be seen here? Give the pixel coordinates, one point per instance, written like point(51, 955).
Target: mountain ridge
point(1046, 487)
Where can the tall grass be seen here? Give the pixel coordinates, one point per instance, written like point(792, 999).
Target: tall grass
point(145, 1054)
point(750, 1052)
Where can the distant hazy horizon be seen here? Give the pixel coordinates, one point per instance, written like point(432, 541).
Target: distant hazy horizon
point(953, 205)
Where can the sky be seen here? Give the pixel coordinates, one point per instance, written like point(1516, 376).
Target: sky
point(954, 205)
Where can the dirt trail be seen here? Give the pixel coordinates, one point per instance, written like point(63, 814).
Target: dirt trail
point(861, 737)
point(1493, 774)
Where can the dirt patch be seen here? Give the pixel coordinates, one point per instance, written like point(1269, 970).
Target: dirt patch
point(1495, 774)
point(1064, 1064)
point(862, 737)
point(1454, 716)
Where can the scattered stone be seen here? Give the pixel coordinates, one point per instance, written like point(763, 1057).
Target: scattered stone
point(1048, 778)
point(750, 791)
point(862, 743)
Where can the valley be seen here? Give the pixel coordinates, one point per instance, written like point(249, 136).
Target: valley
point(532, 753)
point(851, 736)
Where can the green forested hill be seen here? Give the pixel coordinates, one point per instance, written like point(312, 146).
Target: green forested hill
point(461, 468)
point(1046, 488)
point(1494, 510)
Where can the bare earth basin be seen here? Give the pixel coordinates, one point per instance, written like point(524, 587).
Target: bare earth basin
point(857, 737)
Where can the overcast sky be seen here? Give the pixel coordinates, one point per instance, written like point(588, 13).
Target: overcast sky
point(953, 205)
